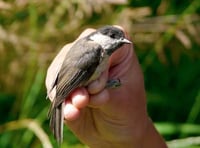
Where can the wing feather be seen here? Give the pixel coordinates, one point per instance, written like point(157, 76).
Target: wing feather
point(76, 72)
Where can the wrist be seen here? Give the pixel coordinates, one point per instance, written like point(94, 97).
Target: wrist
point(144, 138)
point(152, 138)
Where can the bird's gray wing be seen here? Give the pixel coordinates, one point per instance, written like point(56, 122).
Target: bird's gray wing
point(77, 71)
point(77, 68)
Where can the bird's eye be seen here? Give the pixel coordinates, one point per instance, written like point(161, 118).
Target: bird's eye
point(112, 35)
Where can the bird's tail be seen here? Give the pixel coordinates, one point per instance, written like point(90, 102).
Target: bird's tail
point(56, 121)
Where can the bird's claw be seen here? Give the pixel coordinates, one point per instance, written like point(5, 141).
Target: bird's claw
point(113, 83)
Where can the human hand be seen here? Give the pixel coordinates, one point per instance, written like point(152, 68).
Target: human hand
point(111, 117)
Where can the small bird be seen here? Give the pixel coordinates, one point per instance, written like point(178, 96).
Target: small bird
point(83, 63)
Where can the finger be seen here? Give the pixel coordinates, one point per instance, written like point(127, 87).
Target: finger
point(99, 99)
point(120, 62)
point(120, 54)
point(70, 111)
point(80, 98)
point(99, 84)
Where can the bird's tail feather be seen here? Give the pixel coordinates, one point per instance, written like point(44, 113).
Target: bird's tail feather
point(56, 121)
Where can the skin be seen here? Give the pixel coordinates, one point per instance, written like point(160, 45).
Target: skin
point(116, 117)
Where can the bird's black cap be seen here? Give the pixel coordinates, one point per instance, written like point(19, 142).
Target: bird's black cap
point(112, 32)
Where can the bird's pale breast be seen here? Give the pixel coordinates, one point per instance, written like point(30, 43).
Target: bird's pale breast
point(101, 68)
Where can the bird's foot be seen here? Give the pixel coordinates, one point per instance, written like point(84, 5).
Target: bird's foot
point(113, 83)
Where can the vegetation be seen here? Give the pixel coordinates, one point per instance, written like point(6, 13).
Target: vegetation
point(166, 36)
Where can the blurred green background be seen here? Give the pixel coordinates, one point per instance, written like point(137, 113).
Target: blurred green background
point(166, 37)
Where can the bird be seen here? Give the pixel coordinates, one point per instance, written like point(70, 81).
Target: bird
point(83, 63)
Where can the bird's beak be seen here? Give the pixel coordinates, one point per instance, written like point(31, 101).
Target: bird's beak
point(126, 41)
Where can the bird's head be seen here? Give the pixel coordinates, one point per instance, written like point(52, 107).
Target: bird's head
point(110, 38)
